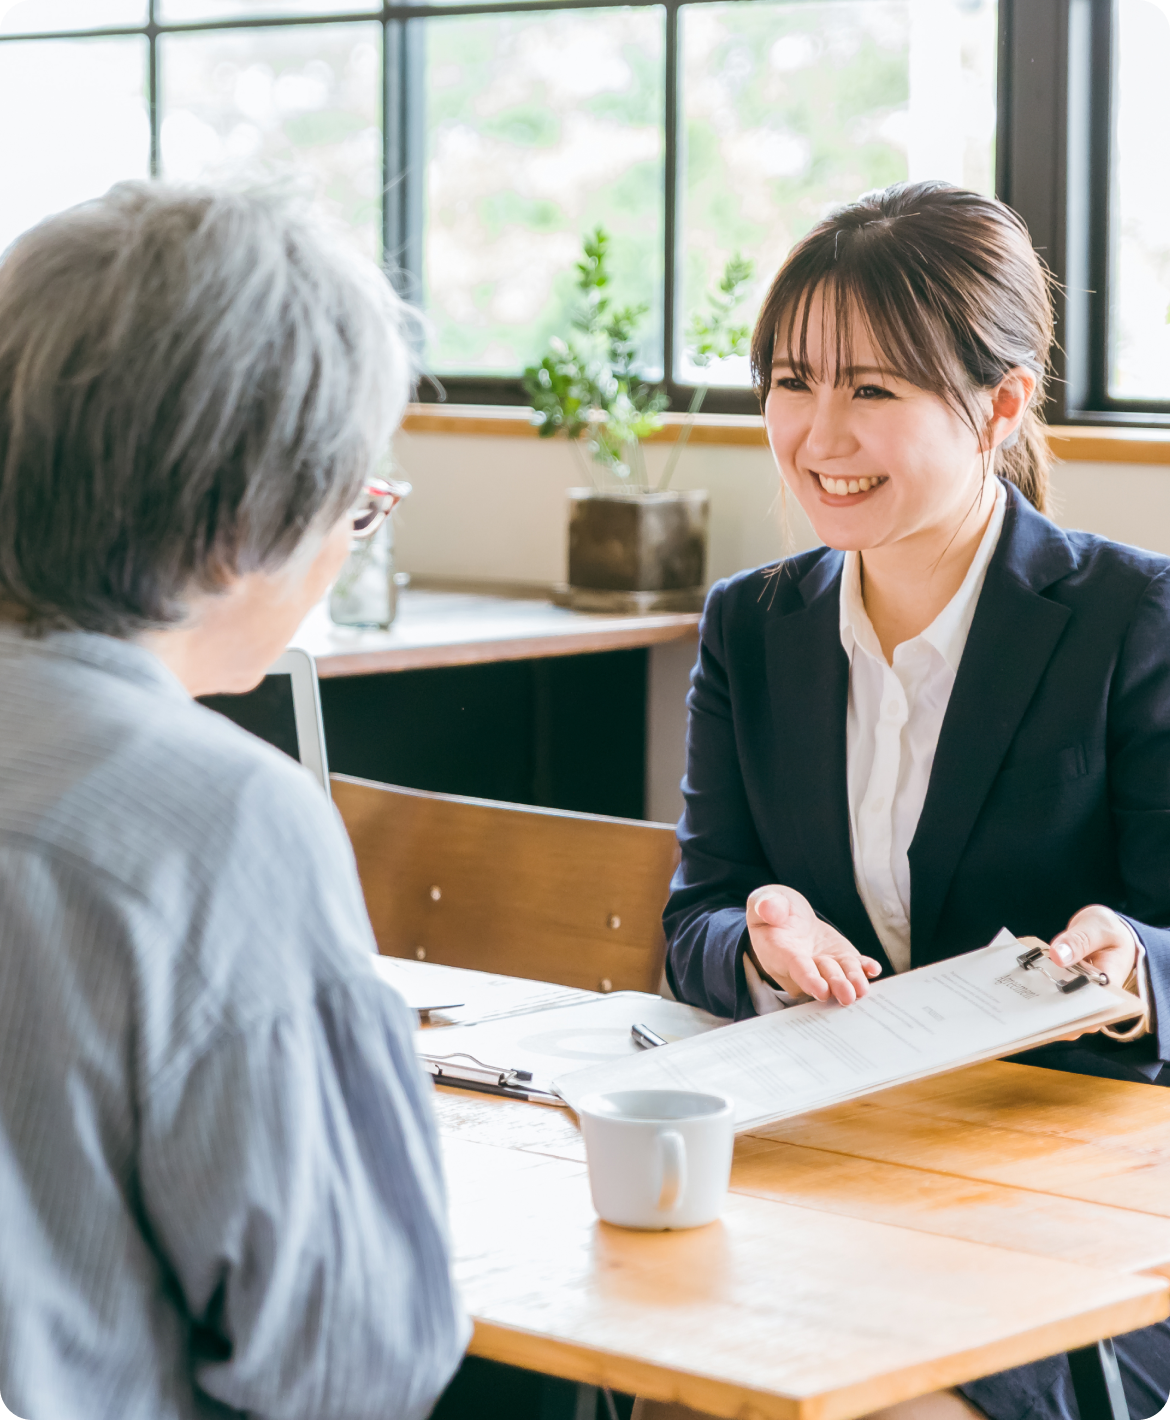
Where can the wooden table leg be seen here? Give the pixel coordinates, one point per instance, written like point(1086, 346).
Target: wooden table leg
point(1097, 1383)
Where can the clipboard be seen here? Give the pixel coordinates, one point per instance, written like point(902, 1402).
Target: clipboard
point(519, 1055)
point(981, 1005)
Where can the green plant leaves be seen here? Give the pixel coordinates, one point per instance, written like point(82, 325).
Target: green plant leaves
point(586, 385)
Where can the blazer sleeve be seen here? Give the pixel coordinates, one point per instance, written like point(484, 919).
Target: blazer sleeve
point(722, 859)
point(1139, 789)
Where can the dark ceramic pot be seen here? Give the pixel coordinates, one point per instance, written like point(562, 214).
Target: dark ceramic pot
point(634, 551)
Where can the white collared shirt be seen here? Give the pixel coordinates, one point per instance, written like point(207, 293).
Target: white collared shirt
point(892, 728)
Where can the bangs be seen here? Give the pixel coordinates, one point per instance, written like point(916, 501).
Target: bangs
point(906, 336)
point(874, 284)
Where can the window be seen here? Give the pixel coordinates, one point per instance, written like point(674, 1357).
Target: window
point(789, 109)
point(305, 96)
point(1089, 77)
point(1138, 354)
point(477, 143)
point(49, 158)
point(538, 127)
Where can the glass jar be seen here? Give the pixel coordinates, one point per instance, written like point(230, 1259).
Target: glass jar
point(366, 590)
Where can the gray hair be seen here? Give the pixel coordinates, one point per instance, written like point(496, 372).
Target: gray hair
point(192, 381)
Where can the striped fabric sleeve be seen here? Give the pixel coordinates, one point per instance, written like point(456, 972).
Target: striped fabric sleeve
point(292, 1180)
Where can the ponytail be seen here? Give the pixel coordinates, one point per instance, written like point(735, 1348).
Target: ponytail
point(1027, 463)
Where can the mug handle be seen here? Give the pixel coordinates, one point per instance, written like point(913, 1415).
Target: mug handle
point(673, 1154)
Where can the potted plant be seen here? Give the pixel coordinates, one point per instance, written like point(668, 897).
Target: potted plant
point(633, 545)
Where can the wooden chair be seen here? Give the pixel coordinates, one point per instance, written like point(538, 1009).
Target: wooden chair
point(570, 898)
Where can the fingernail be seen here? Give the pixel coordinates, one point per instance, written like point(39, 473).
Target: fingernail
point(1062, 954)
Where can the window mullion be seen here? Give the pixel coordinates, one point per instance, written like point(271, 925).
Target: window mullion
point(1100, 141)
point(1084, 269)
point(404, 150)
point(672, 178)
point(394, 195)
point(414, 150)
point(1034, 169)
point(152, 95)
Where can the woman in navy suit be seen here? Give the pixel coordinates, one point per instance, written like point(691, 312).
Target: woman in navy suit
point(952, 717)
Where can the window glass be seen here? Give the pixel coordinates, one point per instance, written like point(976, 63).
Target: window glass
point(33, 16)
point(302, 99)
point(44, 86)
point(185, 11)
point(792, 108)
point(1139, 277)
point(538, 128)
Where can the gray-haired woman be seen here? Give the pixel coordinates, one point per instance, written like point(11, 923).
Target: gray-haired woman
point(219, 1182)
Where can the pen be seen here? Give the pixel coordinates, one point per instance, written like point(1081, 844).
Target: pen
point(491, 1085)
point(645, 1037)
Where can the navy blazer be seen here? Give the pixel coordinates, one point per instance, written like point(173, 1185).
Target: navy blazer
point(1051, 782)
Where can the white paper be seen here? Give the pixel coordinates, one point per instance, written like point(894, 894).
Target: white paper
point(551, 1042)
point(463, 995)
point(972, 1007)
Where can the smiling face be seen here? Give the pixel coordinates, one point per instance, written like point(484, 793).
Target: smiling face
point(872, 459)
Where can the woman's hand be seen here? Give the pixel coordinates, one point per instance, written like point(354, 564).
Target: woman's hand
point(1097, 936)
point(802, 954)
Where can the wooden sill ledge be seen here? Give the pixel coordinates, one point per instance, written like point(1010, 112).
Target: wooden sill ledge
point(509, 422)
point(1072, 443)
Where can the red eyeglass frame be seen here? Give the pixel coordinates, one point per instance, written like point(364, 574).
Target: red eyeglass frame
point(380, 496)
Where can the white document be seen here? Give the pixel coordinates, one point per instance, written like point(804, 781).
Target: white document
point(463, 995)
point(545, 1043)
point(973, 1007)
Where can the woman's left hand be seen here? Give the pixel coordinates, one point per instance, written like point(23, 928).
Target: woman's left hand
point(1097, 935)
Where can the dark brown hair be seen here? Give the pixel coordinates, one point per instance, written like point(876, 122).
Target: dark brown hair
point(951, 292)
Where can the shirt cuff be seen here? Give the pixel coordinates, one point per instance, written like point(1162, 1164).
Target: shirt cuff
point(1141, 981)
point(765, 998)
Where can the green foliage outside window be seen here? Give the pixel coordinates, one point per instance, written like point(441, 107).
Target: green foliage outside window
point(587, 387)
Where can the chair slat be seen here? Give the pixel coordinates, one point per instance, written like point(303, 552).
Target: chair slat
point(569, 898)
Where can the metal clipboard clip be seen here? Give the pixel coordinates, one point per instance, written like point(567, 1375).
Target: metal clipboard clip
point(1034, 959)
point(492, 1079)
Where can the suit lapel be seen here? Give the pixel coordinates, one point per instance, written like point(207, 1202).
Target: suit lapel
point(808, 686)
point(1013, 634)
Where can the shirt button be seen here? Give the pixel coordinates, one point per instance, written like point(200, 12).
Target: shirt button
point(892, 708)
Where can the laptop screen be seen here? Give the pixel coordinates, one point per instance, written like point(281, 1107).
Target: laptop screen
point(267, 711)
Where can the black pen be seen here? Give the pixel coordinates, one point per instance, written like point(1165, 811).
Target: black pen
point(512, 1084)
point(530, 1096)
point(645, 1037)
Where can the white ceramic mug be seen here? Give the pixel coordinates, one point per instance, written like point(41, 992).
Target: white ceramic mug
point(658, 1158)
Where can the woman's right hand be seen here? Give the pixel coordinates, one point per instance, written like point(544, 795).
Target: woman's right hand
point(802, 954)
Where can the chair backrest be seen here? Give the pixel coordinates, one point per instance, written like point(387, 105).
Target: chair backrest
point(570, 898)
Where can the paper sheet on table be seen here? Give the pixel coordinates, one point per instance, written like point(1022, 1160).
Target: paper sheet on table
point(978, 1006)
point(551, 1042)
point(462, 995)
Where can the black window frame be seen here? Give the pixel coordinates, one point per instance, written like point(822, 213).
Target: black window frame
point(1056, 88)
point(1055, 72)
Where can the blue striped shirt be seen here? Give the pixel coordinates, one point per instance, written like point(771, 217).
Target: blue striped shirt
point(220, 1188)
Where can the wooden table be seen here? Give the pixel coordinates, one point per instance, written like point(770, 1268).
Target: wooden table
point(869, 1253)
point(439, 626)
